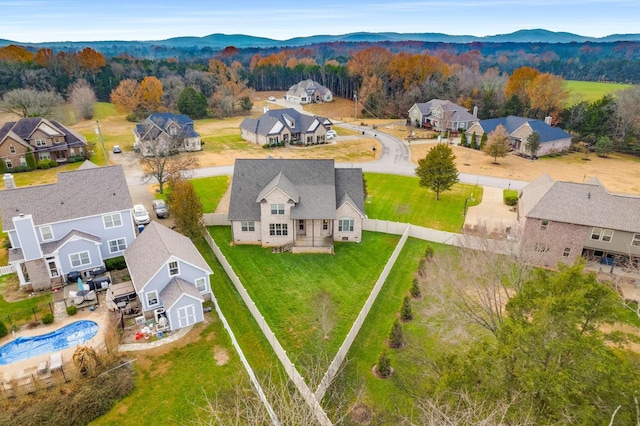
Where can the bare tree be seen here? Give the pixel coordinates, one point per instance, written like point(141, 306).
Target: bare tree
point(173, 85)
point(326, 312)
point(83, 99)
point(31, 103)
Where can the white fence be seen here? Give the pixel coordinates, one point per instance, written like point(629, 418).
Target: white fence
point(215, 219)
point(355, 328)
point(5, 270)
point(289, 367)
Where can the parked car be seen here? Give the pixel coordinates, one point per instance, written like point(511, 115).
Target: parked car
point(160, 207)
point(271, 99)
point(117, 149)
point(331, 134)
point(140, 215)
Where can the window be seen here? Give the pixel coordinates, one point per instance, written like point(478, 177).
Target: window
point(12, 149)
point(248, 226)
point(301, 224)
point(8, 163)
point(544, 225)
point(173, 268)
point(309, 140)
point(41, 142)
point(636, 240)
point(152, 298)
point(23, 162)
point(79, 259)
point(117, 245)
point(345, 224)
point(201, 284)
point(278, 229)
point(541, 248)
point(274, 140)
point(112, 220)
point(44, 156)
point(173, 131)
point(277, 208)
point(600, 234)
point(567, 252)
point(325, 224)
point(46, 232)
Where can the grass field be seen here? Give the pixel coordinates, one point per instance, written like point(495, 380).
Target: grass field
point(210, 191)
point(22, 309)
point(590, 91)
point(401, 199)
point(288, 289)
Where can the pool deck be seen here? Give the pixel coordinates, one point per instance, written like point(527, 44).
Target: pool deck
point(30, 366)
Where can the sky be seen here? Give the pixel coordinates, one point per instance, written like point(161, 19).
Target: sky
point(70, 20)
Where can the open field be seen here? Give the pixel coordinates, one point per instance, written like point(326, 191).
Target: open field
point(590, 91)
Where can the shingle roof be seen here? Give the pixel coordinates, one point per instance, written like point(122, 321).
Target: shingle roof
point(512, 123)
point(306, 87)
point(154, 247)
point(588, 204)
point(175, 289)
point(291, 118)
point(24, 128)
point(48, 248)
point(160, 121)
point(318, 184)
point(79, 193)
point(454, 112)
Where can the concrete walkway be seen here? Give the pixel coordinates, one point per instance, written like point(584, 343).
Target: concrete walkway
point(491, 216)
point(129, 347)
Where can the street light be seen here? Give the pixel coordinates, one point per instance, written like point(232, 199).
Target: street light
point(355, 107)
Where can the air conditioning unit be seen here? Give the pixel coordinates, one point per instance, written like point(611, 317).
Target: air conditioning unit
point(157, 313)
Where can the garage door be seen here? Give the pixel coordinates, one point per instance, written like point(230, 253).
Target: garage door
point(186, 316)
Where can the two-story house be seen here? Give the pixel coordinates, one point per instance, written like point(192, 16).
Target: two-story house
point(302, 205)
point(287, 126)
point(441, 115)
point(552, 139)
point(307, 92)
point(560, 221)
point(169, 275)
point(47, 139)
point(72, 225)
point(164, 132)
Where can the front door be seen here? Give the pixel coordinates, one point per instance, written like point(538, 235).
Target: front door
point(301, 228)
point(186, 316)
point(52, 266)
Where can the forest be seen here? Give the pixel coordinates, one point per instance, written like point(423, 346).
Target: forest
point(387, 77)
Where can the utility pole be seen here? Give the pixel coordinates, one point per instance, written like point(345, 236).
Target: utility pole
point(104, 151)
point(355, 107)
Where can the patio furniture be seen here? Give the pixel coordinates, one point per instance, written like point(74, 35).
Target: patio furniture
point(162, 325)
point(43, 367)
point(55, 361)
point(80, 296)
point(91, 295)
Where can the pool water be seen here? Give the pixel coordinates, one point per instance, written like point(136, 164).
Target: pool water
point(69, 336)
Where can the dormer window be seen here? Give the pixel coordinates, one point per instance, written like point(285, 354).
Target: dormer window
point(41, 142)
point(173, 131)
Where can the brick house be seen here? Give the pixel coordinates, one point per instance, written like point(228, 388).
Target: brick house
point(560, 221)
point(287, 126)
point(302, 205)
point(47, 139)
point(441, 115)
point(307, 92)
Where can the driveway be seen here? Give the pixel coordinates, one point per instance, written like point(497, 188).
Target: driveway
point(491, 216)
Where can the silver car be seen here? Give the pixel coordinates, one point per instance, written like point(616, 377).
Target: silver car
point(160, 207)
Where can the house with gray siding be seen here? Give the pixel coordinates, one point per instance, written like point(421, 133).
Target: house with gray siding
point(164, 131)
point(285, 127)
point(297, 205)
point(72, 225)
point(169, 274)
point(561, 221)
point(552, 139)
point(308, 92)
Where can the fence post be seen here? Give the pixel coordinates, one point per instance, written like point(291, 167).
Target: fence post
point(34, 314)
point(51, 307)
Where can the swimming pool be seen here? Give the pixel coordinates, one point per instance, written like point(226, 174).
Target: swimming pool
point(69, 336)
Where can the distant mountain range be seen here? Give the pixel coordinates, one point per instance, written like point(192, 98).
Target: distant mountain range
point(220, 41)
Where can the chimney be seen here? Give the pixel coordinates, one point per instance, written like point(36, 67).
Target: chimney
point(9, 183)
point(547, 120)
point(265, 109)
point(475, 111)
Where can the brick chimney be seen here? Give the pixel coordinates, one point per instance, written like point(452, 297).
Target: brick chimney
point(9, 183)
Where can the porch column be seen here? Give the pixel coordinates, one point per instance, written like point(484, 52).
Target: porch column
point(18, 268)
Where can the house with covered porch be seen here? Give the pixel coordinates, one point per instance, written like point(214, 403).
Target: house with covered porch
point(296, 205)
point(285, 127)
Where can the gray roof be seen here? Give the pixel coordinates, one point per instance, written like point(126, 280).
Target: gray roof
point(307, 87)
point(453, 112)
point(88, 191)
point(156, 123)
point(588, 204)
point(512, 123)
point(48, 248)
point(154, 247)
point(25, 127)
point(317, 184)
point(300, 122)
point(175, 289)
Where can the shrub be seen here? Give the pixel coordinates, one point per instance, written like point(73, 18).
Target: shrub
point(266, 146)
point(510, 197)
point(415, 289)
point(3, 329)
point(428, 253)
point(44, 164)
point(72, 310)
point(115, 263)
point(384, 364)
point(405, 313)
point(47, 318)
point(396, 336)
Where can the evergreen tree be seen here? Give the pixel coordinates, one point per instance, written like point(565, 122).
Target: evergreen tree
point(483, 141)
point(3, 329)
point(533, 144)
point(396, 336)
point(192, 103)
point(604, 146)
point(31, 160)
point(474, 141)
point(463, 139)
point(3, 166)
point(405, 313)
point(384, 364)
point(437, 170)
point(415, 289)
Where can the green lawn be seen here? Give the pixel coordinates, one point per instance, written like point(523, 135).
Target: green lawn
point(401, 199)
point(210, 191)
point(591, 90)
point(286, 288)
point(22, 311)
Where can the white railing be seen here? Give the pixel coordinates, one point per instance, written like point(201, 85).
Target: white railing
point(6, 270)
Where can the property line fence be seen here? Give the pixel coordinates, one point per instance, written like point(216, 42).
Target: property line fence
point(355, 328)
point(27, 316)
point(289, 367)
